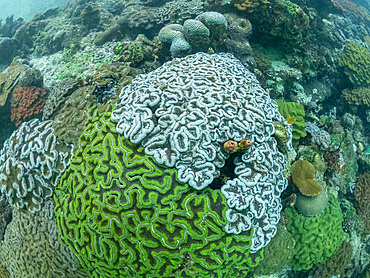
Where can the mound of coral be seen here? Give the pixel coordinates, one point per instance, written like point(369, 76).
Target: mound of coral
point(32, 247)
point(317, 238)
point(355, 61)
point(123, 215)
point(31, 162)
point(184, 111)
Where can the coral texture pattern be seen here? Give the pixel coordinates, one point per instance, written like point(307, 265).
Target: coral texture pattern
point(29, 101)
point(31, 162)
point(185, 110)
point(125, 216)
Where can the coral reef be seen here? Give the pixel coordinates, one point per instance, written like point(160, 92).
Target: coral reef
point(303, 174)
point(335, 264)
point(317, 238)
point(318, 136)
point(355, 61)
point(238, 31)
point(206, 31)
point(32, 247)
point(3, 272)
point(358, 96)
point(277, 254)
point(5, 217)
point(137, 19)
point(9, 80)
point(28, 103)
point(141, 53)
point(30, 163)
point(109, 79)
point(69, 123)
point(123, 215)
point(362, 190)
point(311, 205)
point(184, 111)
point(293, 113)
point(58, 97)
point(248, 6)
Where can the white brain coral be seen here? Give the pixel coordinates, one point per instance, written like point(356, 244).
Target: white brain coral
point(185, 110)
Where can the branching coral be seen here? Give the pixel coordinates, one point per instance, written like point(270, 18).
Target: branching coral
point(28, 102)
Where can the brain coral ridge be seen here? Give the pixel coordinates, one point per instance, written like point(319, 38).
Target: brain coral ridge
point(123, 215)
point(181, 114)
point(31, 162)
point(32, 247)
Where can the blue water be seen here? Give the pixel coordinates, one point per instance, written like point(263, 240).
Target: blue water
point(26, 8)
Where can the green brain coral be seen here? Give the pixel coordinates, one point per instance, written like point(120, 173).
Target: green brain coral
point(293, 113)
point(355, 61)
point(123, 215)
point(317, 238)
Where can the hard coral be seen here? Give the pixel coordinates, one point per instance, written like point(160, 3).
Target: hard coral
point(355, 61)
point(124, 215)
point(317, 238)
point(28, 102)
point(184, 111)
point(335, 264)
point(33, 248)
point(293, 113)
point(358, 96)
point(362, 196)
point(9, 80)
point(30, 164)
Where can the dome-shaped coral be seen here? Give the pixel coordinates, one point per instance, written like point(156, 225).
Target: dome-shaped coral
point(123, 215)
point(182, 114)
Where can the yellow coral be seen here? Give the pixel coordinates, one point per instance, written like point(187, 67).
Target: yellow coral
point(359, 96)
point(243, 5)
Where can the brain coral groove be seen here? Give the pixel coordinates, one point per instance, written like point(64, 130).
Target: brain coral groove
point(123, 215)
point(184, 111)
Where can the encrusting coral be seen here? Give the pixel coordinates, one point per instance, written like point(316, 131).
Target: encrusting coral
point(28, 102)
point(123, 215)
point(184, 111)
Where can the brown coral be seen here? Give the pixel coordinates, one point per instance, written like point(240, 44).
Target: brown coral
point(335, 264)
point(303, 173)
point(9, 80)
point(362, 192)
point(358, 96)
point(28, 101)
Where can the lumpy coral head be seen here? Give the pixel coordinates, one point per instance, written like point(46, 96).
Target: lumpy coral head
point(124, 215)
point(184, 111)
point(31, 162)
